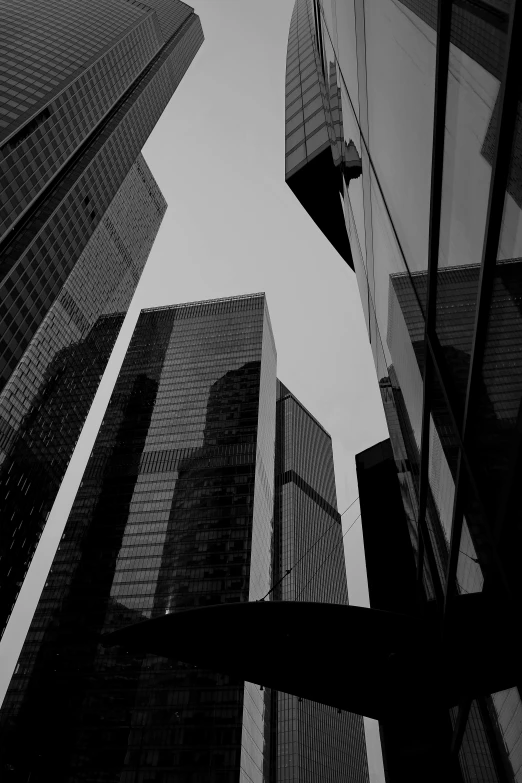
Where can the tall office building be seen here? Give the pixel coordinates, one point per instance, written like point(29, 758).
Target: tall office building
point(44, 404)
point(177, 509)
point(429, 98)
point(81, 88)
point(310, 742)
point(174, 510)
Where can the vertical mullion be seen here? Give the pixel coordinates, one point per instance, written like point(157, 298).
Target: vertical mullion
point(496, 742)
point(507, 117)
point(460, 726)
point(437, 165)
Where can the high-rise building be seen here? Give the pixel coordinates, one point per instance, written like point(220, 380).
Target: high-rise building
point(44, 404)
point(310, 742)
point(81, 88)
point(429, 96)
point(174, 510)
point(177, 509)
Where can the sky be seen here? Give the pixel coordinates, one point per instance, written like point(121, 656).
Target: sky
point(234, 227)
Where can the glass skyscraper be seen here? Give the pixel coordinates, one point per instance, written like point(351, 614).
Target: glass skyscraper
point(81, 88)
point(311, 743)
point(44, 403)
point(207, 481)
point(174, 510)
point(429, 95)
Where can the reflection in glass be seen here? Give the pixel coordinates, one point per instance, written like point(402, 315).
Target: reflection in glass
point(44, 404)
point(170, 514)
point(385, 52)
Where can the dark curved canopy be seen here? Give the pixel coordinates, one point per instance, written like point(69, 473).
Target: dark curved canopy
point(362, 660)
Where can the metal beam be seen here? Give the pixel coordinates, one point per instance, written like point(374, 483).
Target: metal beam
point(437, 161)
point(460, 726)
point(496, 742)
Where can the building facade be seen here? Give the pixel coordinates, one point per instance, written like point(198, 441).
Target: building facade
point(174, 510)
point(207, 481)
point(81, 88)
point(65, 360)
point(311, 742)
point(81, 91)
point(430, 103)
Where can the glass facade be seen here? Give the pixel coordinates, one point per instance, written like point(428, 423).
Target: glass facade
point(81, 88)
point(174, 511)
point(45, 50)
point(318, 159)
point(310, 742)
point(430, 100)
point(62, 160)
point(207, 480)
point(45, 402)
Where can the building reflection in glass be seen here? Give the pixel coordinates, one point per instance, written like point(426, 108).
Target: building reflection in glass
point(44, 403)
point(392, 61)
point(170, 513)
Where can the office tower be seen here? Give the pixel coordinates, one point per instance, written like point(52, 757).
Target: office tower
point(45, 402)
point(430, 99)
point(81, 87)
point(174, 510)
point(309, 741)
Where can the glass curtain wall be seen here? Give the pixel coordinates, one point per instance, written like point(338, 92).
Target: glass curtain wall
point(312, 743)
point(44, 404)
point(171, 513)
point(81, 87)
point(430, 99)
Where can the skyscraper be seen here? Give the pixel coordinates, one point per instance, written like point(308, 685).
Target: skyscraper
point(310, 741)
point(81, 87)
point(175, 510)
point(39, 423)
point(430, 101)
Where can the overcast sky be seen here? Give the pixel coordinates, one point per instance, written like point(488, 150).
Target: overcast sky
point(234, 227)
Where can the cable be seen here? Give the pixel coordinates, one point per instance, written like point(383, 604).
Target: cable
point(327, 556)
point(289, 570)
point(471, 558)
point(349, 507)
